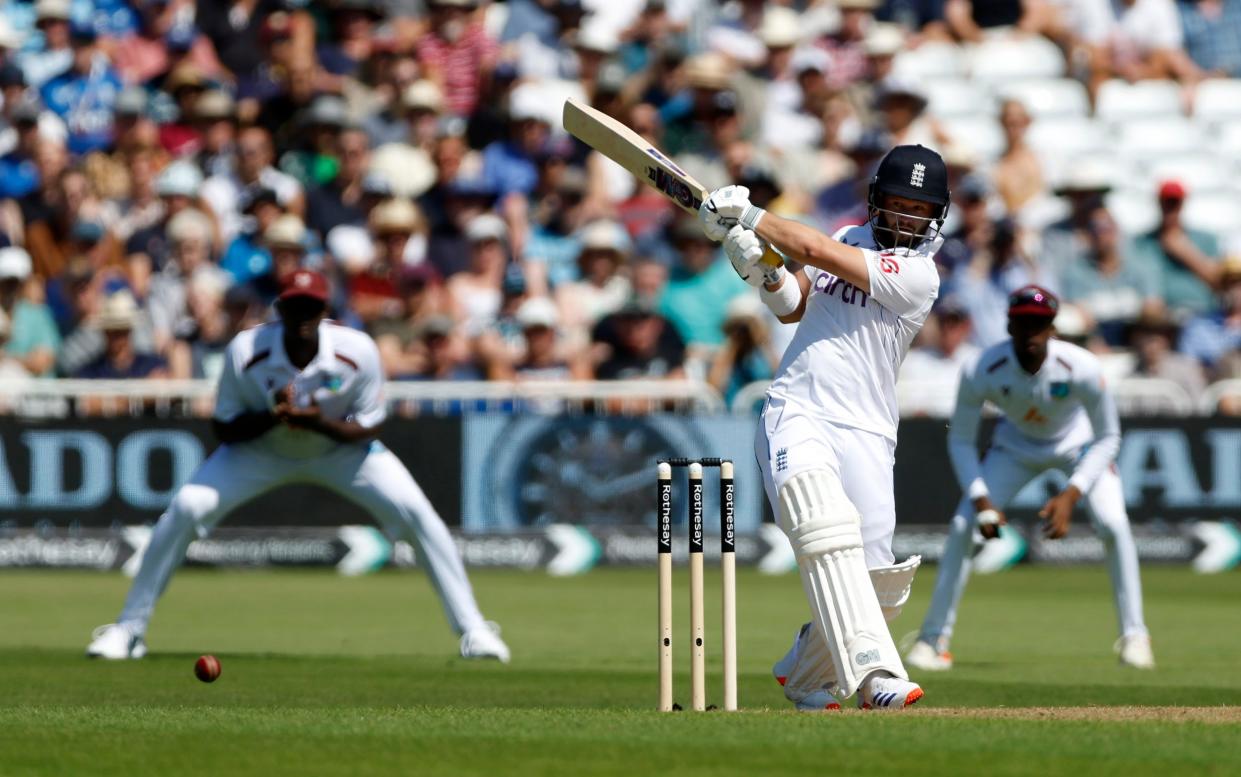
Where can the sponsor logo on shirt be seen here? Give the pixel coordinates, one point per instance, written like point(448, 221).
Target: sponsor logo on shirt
point(829, 284)
point(1059, 389)
point(782, 459)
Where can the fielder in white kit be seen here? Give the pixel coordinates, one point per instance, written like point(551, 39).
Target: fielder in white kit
point(827, 435)
point(300, 401)
point(1057, 416)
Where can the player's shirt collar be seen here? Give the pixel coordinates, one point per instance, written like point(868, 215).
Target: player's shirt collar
point(324, 358)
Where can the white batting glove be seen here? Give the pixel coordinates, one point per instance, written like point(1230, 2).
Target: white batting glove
point(726, 207)
point(745, 251)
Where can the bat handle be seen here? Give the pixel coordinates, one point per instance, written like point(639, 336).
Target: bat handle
point(772, 258)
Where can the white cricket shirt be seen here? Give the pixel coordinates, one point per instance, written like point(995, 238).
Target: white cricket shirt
point(842, 362)
point(345, 379)
point(1055, 412)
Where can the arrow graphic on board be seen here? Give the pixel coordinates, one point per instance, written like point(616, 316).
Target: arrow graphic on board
point(137, 537)
point(368, 550)
point(577, 551)
point(1222, 549)
point(779, 558)
point(1000, 553)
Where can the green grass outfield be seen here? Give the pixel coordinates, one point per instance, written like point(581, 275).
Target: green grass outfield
point(324, 675)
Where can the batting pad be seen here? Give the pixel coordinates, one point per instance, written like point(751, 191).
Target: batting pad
point(893, 584)
point(824, 529)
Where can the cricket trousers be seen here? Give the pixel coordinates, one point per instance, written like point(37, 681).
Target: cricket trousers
point(369, 475)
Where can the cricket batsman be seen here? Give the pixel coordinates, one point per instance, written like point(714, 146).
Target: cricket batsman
point(1057, 415)
point(827, 434)
point(300, 401)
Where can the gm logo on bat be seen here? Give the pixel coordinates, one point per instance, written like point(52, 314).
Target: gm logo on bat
point(673, 187)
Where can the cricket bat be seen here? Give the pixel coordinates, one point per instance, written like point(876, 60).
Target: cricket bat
point(631, 151)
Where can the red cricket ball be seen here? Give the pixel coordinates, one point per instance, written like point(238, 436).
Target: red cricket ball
point(207, 668)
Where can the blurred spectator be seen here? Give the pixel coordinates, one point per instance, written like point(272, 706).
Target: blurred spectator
point(699, 288)
point(545, 353)
point(1182, 257)
point(1212, 30)
point(339, 201)
point(509, 165)
point(421, 297)
point(996, 269)
point(56, 54)
point(553, 245)
point(900, 102)
point(944, 347)
point(247, 257)
point(313, 155)
point(215, 121)
point(178, 189)
point(746, 354)
point(457, 53)
point(235, 29)
point(475, 291)
point(11, 368)
point(33, 338)
point(441, 353)
point(19, 174)
point(1085, 186)
point(353, 25)
point(1214, 338)
point(1153, 338)
point(603, 287)
point(1018, 173)
point(285, 240)
point(637, 342)
point(970, 20)
point(190, 253)
point(254, 168)
point(116, 320)
point(1105, 282)
point(216, 316)
point(373, 291)
point(847, 45)
point(1132, 39)
point(85, 94)
point(83, 343)
point(925, 16)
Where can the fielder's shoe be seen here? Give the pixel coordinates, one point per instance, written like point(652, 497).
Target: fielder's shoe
point(815, 701)
point(484, 642)
point(888, 693)
point(925, 656)
point(1135, 651)
point(115, 642)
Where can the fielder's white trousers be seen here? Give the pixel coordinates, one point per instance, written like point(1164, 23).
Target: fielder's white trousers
point(1006, 470)
point(369, 475)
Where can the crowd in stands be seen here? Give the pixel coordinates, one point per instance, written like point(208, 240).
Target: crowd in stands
point(164, 162)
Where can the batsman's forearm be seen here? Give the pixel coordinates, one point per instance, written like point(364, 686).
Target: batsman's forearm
point(244, 427)
point(810, 246)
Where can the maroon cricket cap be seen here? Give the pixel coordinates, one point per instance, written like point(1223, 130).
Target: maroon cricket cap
point(304, 283)
point(1033, 301)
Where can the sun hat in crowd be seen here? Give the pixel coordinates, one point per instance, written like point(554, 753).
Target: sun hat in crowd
point(15, 263)
point(486, 226)
point(537, 312)
point(180, 178)
point(288, 231)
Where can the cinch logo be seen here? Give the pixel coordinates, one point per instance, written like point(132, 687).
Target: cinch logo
point(916, 177)
point(782, 459)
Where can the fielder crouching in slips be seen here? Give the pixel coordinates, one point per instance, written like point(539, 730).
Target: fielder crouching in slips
point(300, 400)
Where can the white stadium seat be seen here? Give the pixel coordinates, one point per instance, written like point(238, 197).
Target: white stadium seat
point(1213, 212)
point(1119, 100)
point(958, 97)
point(1145, 139)
point(932, 60)
point(1199, 172)
point(980, 134)
point(1218, 100)
point(1135, 210)
point(1003, 60)
point(1227, 142)
point(1057, 139)
point(1049, 97)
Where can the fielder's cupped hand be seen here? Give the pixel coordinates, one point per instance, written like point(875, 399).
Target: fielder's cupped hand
point(1058, 512)
point(745, 250)
point(722, 210)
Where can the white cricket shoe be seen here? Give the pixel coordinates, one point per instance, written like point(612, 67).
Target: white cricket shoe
point(815, 701)
point(115, 642)
point(484, 642)
point(926, 657)
point(888, 693)
point(1135, 651)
